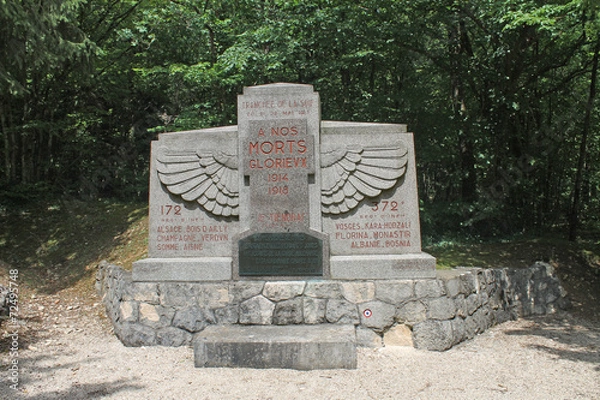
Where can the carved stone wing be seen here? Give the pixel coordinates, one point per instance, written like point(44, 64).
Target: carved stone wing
point(351, 173)
point(210, 178)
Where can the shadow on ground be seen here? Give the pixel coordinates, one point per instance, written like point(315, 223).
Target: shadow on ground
point(53, 246)
point(32, 372)
point(582, 338)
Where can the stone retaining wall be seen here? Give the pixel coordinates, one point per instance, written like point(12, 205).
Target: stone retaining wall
point(432, 314)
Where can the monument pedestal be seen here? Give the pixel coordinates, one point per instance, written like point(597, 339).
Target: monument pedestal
point(182, 269)
point(357, 267)
point(383, 266)
point(302, 347)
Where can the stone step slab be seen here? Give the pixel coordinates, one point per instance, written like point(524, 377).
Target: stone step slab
point(301, 347)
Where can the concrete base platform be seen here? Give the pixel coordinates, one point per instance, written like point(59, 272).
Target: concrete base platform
point(383, 266)
point(182, 269)
point(302, 347)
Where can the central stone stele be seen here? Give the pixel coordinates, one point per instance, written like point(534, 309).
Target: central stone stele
point(284, 195)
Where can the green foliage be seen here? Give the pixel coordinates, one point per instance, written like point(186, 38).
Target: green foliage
point(37, 37)
point(494, 90)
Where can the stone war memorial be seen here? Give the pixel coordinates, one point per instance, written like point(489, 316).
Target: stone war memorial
point(284, 195)
point(287, 241)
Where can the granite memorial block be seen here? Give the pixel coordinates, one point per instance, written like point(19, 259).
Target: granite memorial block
point(284, 195)
point(370, 203)
point(278, 127)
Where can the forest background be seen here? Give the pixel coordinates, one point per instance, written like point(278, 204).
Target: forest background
point(501, 95)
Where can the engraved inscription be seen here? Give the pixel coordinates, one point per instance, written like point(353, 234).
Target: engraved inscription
point(287, 254)
point(278, 156)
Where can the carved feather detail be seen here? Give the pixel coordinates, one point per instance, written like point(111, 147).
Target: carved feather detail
point(210, 178)
point(350, 174)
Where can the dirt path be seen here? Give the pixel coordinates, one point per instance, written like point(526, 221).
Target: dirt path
point(70, 353)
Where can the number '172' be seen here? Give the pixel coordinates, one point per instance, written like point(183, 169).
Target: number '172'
point(170, 210)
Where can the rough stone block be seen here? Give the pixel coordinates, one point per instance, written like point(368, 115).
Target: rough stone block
point(453, 287)
point(173, 337)
point(257, 310)
point(482, 281)
point(314, 310)
point(394, 292)
point(113, 308)
point(128, 311)
point(135, 335)
point(227, 315)
point(469, 282)
point(193, 318)
point(473, 302)
point(213, 295)
point(411, 313)
point(366, 337)
point(341, 312)
point(358, 292)
point(398, 335)
point(323, 290)
point(482, 319)
point(288, 312)
point(176, 294)
point(433, 335)
point(484, 298)
point(441, 308)
point(148, 313)
point(243, 290)
point(428, 288)
point(155, 316)
point(277, 291)
point(490, 276)
point(564, 303)
point(142, 291)
point(459, 330)
point(301, 347)
point(376, 315)
point(471, 327)
point(502, 316)
point(461, 306)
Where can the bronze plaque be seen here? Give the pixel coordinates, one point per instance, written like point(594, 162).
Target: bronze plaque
point(282, 254)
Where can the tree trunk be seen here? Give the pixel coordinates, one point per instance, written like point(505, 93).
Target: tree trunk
point(575, 205)
point(461, 48)
point(212, 44)
point(7, 166)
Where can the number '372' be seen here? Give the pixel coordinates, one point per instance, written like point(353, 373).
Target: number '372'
point(384, 206)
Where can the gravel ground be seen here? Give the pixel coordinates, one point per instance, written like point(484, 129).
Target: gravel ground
point(69, 352)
